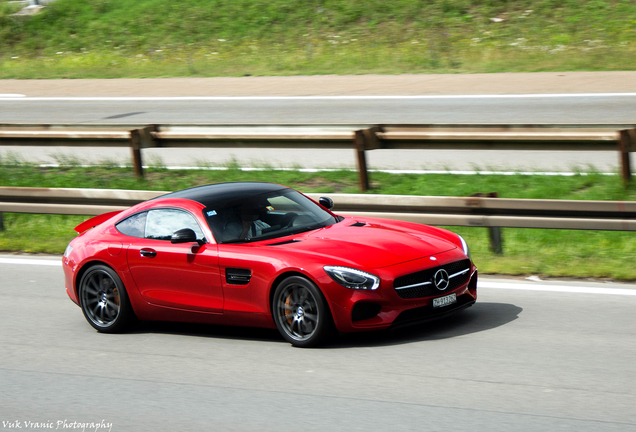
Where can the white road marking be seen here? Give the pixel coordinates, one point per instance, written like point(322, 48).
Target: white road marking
point(483, 284)
point(301, 98)
point(31, 261)
point(11, 95)
point(389, 171)
point(555, 288)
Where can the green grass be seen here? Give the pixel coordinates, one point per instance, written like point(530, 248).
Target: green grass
point(144, 38)
point(582, 186)
point(557, 253)
point(38, 233)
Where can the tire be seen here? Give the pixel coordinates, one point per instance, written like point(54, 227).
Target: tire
point(104, 301)
point(301, 312)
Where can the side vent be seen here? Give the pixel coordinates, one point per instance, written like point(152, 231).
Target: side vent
point(235, 276)
point(358, 224)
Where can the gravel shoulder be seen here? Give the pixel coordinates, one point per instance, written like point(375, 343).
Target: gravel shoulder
point(399, 85)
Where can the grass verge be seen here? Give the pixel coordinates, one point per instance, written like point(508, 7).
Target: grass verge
point(154, 38)
point(556, 253)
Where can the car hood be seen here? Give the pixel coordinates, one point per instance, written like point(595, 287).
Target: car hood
point(371, 244)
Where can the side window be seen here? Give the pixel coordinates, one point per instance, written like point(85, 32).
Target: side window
point(162, 223)
point(133, 226)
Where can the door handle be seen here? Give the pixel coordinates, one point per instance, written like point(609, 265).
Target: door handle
point(148, 253)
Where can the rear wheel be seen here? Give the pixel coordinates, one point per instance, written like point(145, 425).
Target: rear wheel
point(104, 301)
point(301, 312)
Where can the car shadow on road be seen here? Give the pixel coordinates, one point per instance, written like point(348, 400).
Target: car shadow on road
point(480, 317)
point(209, 331)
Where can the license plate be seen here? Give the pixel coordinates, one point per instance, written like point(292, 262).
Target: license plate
point(444, 301)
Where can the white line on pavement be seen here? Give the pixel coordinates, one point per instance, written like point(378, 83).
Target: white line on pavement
point(31, 261)
point(17, 98)
point(555, 288)
point(389, 171)
point(483, 284)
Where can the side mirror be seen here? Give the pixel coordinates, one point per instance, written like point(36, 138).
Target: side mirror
point(326, 202)
point(185, 235)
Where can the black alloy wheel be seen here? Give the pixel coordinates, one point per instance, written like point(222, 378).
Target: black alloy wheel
point(104, 301)
point(301, 312)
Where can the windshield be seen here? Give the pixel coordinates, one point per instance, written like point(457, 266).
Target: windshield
point(265, 216)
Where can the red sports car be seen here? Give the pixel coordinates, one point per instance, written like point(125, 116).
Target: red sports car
point(263, 255)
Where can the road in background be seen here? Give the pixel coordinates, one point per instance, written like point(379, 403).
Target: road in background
point(518, 360)
point(584, 97)
point(487, 109)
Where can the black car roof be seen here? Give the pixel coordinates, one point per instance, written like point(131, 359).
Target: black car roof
point(213, 194)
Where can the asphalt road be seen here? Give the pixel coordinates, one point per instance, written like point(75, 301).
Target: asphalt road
point(519, 360)
point(504, 109)
point(559, 97)
point(586, 108)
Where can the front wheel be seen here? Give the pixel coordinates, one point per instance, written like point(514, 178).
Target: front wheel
point(104, 301)
point(301, 312)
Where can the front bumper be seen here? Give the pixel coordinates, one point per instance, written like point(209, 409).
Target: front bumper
point(360, 310)
point(428, 313)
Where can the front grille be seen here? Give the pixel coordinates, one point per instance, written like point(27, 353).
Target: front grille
point(421, 283)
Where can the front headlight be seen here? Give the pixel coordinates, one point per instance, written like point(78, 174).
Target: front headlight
point(464, 246)
point(352, 278)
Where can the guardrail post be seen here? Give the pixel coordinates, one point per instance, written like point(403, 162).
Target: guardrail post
point(494, 233)
point(2, 228)
point(135, 148)
point(360, 146)
point(496, 246)
point(624, 147)
point(140, 139)
point(496, 240)
point(365, 139)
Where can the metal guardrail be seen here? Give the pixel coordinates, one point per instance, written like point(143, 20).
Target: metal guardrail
point(491, 213)
point(601, 137)
point(454, 211)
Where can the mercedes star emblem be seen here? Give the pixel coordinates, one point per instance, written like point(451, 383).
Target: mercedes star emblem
point(441, 279)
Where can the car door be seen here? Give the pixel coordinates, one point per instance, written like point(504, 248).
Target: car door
point(184, 276)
